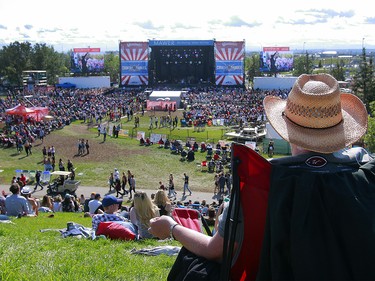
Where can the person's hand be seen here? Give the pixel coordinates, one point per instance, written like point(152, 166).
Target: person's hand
point(159, 226)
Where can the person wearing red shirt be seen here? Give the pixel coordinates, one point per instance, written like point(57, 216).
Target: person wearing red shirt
point(23, 179)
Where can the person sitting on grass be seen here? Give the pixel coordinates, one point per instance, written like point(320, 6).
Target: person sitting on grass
point(57, 203)
point(23, 179)
point(111, 206)
point(33, 202)
point(95, 205)
point(68, 204)
point(161, 143)
point(162, 201)
point(148, 142)
point(167, 144)
point(15, 204)
point(142, 212)
point(46, 205)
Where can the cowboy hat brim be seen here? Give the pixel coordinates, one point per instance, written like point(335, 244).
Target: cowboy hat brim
point(352, 127)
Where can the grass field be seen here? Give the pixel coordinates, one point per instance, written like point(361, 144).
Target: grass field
point(149, 164)
point(28, 254)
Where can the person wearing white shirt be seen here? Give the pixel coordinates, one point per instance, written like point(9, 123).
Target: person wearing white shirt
point(95, 205)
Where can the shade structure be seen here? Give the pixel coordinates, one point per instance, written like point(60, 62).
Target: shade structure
point(35, 112)
point(39, 113)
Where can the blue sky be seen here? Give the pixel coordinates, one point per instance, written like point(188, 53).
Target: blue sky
point(313, 24)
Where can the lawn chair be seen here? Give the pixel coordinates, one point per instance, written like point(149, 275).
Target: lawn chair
point(204, 166)
point(45, 177)
point(191, 218)
point(251, 178)
point(301, 221)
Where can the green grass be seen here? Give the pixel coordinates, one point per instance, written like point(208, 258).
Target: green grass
point(28, 254)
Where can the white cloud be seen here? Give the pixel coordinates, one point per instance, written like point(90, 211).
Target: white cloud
point(320, 24)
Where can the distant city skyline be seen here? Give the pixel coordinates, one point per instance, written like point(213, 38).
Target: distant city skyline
point(300, 25)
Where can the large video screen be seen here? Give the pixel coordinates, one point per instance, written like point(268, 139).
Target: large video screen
point(276, 59)
point(87, 60)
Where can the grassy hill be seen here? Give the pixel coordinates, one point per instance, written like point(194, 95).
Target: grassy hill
point(149, 164)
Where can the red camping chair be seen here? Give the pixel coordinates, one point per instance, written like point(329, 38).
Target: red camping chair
point(320, 220)
point(191, 218)
point(251, 182)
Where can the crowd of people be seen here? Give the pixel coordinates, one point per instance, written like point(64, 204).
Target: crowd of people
point(235, 106)
point(21, 202)
point(65, 106)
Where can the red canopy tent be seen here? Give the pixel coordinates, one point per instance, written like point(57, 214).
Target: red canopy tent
point(39, 113)
point(36, 112)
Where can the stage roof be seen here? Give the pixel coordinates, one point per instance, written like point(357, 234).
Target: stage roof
point(165, 94)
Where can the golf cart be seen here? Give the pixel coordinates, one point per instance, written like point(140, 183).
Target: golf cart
point(61, 183)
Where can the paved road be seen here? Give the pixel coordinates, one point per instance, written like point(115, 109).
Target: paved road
point(86, 191)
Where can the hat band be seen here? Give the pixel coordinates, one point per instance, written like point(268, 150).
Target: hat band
point(306, 127)
point(314, 116)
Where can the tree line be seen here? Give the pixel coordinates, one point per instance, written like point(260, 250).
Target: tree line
point(20, 56)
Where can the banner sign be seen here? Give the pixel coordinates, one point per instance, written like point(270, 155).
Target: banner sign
point(174, 43)
point(86, 50)
point(229, 58)
point(161, 105)
point(156, 137)
point(140, 135)
point(134, 63)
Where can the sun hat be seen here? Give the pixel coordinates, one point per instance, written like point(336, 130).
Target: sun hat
point(316, 116)
point(25, 190)
point(109, 200)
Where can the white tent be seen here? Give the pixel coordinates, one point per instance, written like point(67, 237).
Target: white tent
point(166, 96)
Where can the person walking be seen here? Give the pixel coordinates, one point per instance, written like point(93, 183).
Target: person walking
point(27, 146)
point(61, 165)
point(87, 147)
point(117, 180)
point(171, 190)
point(123, 183)
point(37, 181)
point(186, 184)
point(131, 186)
point(104, 132)
point(111, 182)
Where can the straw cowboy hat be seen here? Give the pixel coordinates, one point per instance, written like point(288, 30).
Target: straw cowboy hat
point(316, 116)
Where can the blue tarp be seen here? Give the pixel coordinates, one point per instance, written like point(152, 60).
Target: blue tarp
point(66, 85)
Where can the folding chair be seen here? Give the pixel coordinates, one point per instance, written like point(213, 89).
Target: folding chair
point(315, 223)
point(45, 177)
point(204, 167)
point(251, 181)
point(191, 218)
